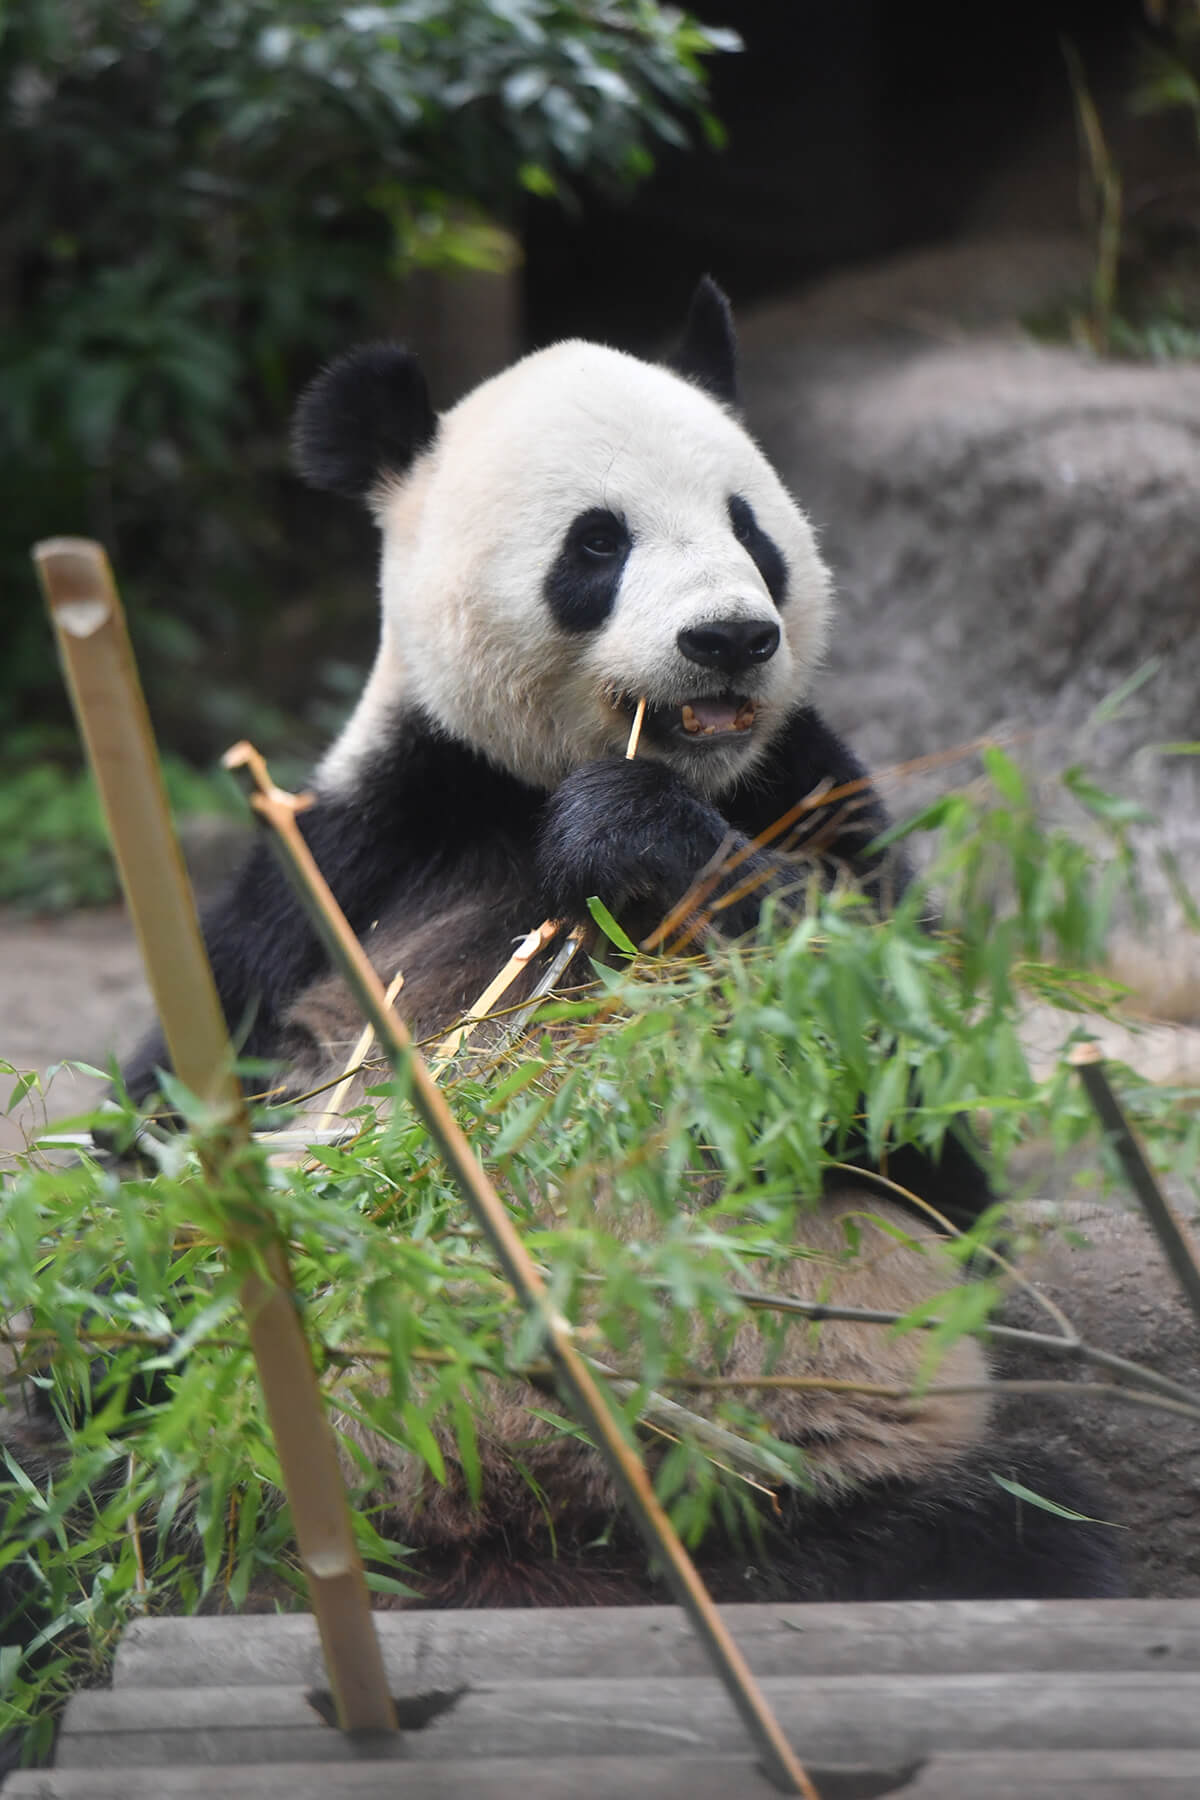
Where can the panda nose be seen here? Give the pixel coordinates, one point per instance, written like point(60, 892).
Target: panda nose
point(730, 644)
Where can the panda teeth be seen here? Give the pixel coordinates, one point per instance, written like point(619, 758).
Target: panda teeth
point(740, 720)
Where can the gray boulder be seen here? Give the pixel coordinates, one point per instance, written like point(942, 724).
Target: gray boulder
point(1015, 531)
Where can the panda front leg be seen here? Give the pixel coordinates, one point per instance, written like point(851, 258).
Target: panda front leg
point(635, 832)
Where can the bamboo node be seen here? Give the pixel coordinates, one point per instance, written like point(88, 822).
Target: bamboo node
point(243, 755)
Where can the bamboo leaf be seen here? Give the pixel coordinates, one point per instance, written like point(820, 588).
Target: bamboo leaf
point(608, 925)
point(1020, 1492)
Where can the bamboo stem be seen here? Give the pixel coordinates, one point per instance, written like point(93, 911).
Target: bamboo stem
point(490, 1213)
point(109, 706)
point(1088, 1060)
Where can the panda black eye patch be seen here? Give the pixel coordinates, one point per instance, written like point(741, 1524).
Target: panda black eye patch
point(582, 582)
point(762, 550)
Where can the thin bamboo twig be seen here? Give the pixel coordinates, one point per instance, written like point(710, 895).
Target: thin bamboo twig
point(355, 1061)
point(1072, 1349)
point(577, 939)
point(530, 946)
point(544, 1371)
point(820, 1384)
point(635, 731)
point(1088, 1060)
point(748, 1461)
point(484, 1202)
point(819, 797)
point(870, 1177)
point(107, 696)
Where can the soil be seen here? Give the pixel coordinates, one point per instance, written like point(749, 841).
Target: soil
point(70, 987)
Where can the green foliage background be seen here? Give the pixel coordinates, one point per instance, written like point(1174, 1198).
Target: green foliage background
point(199, 201)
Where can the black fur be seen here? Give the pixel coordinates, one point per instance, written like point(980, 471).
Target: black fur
point(956, 1536)
point(707, 352)
point(582, 583)
point(431, 818)
point(762, 549)
point(413, 831)
point(364, 418)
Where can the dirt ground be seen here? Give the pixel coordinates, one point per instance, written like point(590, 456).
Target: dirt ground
point(70, 987)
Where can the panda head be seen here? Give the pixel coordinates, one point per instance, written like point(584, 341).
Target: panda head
point(579, 531)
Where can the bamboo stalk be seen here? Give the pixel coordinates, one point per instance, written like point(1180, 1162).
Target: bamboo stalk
point(111, 713)
point(1088, 1060)
point(109, 706)
point(276, 809)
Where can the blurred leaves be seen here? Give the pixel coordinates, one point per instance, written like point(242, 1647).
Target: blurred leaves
point(54, 850)
point(201, 199)
point(1144, 299)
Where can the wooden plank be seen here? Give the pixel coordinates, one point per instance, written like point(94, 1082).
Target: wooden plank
point(1070, 1775)
point(878, 1718)
point(424, 1649)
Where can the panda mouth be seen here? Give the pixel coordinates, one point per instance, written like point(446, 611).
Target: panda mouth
point(706, 719)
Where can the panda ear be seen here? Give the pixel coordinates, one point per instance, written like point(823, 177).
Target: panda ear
point(707, 352)
point(364, 417)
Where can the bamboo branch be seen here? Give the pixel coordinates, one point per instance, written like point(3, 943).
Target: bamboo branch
point(1072, 1349)
point(872, 1177)
point(115, 726)
point(820, 1384)
point(1155, 1391)
point(277, 810)
point(1088, 1060)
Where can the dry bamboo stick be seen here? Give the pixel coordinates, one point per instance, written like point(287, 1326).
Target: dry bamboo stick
point(354, 1061)
point(115, 726)
point(497, 987)
point(490, 1213)
point(533, 942)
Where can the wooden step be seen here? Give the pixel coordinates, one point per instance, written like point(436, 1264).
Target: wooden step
point(445, 1649)
point(992, 1775)
point(829, 1718)
point(1013, 1700)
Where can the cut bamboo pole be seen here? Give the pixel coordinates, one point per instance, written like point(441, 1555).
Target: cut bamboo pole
point(277, 810)
point(111, 711)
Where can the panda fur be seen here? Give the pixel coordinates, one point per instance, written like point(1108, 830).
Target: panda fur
point(583, 529)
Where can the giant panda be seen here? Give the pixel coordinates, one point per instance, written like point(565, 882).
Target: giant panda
point(584, 529)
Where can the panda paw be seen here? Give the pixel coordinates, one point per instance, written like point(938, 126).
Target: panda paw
point(625, 830)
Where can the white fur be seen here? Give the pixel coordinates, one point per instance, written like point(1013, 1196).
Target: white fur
point(471, 531)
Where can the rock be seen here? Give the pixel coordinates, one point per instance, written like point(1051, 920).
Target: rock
point(1015, 530)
